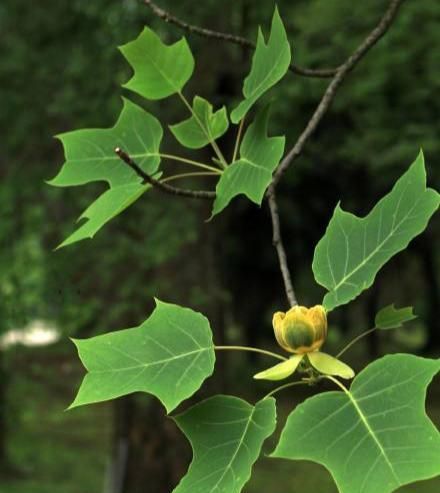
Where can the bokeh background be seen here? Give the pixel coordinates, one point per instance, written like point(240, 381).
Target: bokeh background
point(60, 70)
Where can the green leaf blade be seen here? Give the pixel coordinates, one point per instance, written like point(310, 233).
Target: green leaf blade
point(226, 434)
point(90, 157)
point(392, 318)
point(378, 437)
point(354, 249)
point(270, 63)
point(103, 209)
point(252, 173)
point(203, 127)
point(160, 70)
point(169, 356)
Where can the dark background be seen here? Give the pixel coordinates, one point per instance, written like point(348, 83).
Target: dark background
point(60, 70)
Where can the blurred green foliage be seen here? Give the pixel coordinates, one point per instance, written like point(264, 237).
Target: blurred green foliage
point(60, 70)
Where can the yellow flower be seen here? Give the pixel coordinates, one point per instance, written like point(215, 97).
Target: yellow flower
point(301, 330)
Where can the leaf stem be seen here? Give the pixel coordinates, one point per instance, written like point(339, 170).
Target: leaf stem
point(146, 178)
point(197, 164)
point(355, 340)
point(338, 383)
point(252, 349)
point(285, 386)
point(187, 175)
point(203, 129)
point(237, 140)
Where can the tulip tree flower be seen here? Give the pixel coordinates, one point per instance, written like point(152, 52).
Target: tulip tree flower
point(302, 331)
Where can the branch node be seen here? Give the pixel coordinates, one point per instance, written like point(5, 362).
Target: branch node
point(164, 187)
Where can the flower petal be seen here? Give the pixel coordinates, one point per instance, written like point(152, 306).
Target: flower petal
point(281, 370)
point(329, 365)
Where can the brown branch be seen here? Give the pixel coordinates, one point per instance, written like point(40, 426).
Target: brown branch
point(164, 187)
point(231, 38)
point(278, 244)
point(314, 121)
point(337, 80)
point(338, 75)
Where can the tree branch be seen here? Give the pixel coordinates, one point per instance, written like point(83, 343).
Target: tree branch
point(314, 121)
point(164, 187)
point(338, 75)
point(278, 244)
point(231, 38)
point(329, 94)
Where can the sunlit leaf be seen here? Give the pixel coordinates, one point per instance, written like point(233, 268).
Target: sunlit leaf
point(281, 370)
point(392, 318)
point(353, 249)
point(269, 64)
point(251, 174)
point(90, 157)
point(226, 434)
point(377, 437)
point(159, 70)
point(203, 127)
point(329, 365)
point(169, 356)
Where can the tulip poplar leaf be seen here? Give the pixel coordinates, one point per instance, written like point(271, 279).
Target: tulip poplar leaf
point(251, 174)
point(392, 318)
point(203, 127)
point(169, 356)
point(226, 434)
point(354, 249)
point(160, 70)
point(90, 157)
point(374, 437)
point(270, 63)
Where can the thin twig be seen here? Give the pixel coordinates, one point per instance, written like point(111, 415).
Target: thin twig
point(231, 38)
point(285, 386)
point(355, 340)
point(238, 140)
point(330, 92)
point(187, 175)
point(251, 349)
point(191, 162)
point(278, 244)
point(164, 187)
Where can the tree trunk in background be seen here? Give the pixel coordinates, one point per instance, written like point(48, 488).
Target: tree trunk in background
point(122, 409)
point(432, 292)
point(4, 462)
point(150, 453)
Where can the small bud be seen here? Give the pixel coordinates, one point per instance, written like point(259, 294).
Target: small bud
point(301, 330)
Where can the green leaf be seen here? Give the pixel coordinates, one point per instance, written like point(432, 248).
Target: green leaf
point(377, 437)
point(169, 356)
point(392, 318)
point(226, 434)
point(269, 64)
point(159, 70)
point(353, 249)
point(252, 173)
point(203, 127)
point(281, 370)
point(106, 207)
point(329, 365)
point(90, 157)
